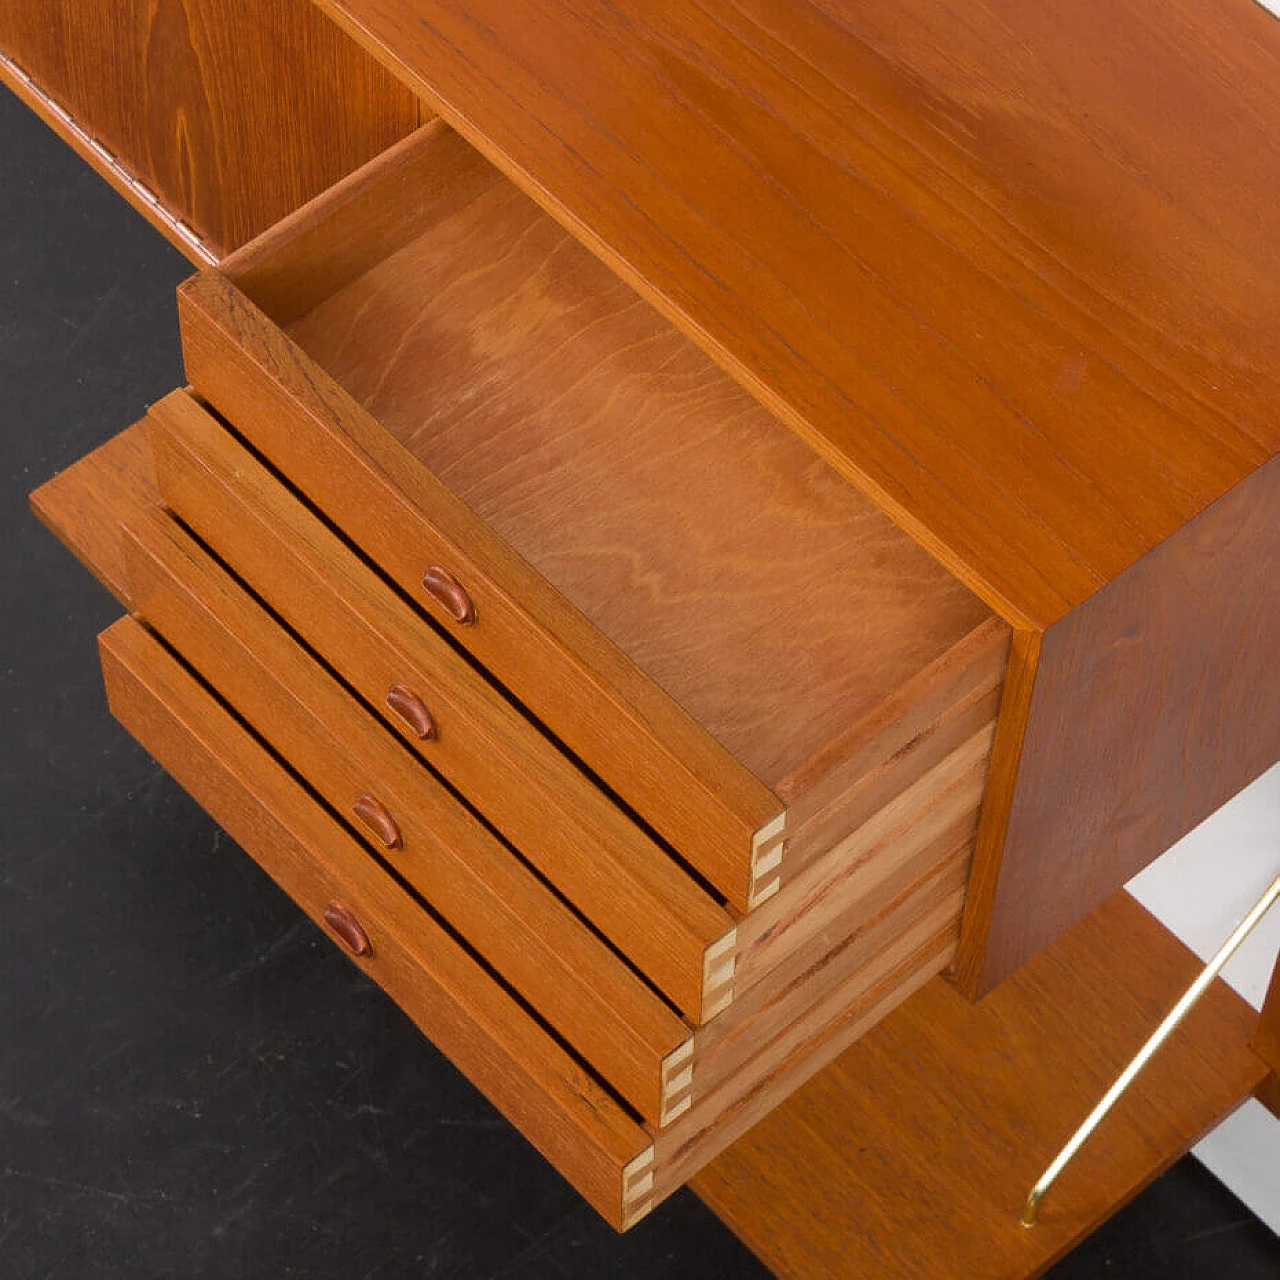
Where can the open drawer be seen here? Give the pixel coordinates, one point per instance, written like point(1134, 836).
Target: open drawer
point(741, 646)
point(805, 973)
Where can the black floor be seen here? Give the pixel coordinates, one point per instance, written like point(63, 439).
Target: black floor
point(193, 1082)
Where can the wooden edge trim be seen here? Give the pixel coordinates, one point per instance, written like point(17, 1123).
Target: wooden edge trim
point(177, 230)
point(1002, 776)
point(1266, 1043)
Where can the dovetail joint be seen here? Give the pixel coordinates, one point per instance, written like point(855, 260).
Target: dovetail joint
point(638, 1182)
point(719, 964)
point(768, 847)
point(677, 1083)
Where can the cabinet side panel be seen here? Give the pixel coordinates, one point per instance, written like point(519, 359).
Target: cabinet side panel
point(1155, 701)
point(232, 112)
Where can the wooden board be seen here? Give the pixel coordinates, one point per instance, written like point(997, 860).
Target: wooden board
point(736, 569)
point(228, 113)
point(1179, 658)
point(1266, 1043)
point(1003, 269)
point(83, 506)
point(910, 1156)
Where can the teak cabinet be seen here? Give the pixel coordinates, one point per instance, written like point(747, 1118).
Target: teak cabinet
point(700, 577)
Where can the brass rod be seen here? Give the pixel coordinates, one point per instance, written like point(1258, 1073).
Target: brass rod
point(1147, 1052)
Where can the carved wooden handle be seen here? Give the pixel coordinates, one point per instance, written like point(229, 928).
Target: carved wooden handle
point(373, 813)
point(449, 593)
point(348, 929)
point(412, 710)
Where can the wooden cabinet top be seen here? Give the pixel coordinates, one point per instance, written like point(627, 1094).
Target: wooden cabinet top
point(1011, 268)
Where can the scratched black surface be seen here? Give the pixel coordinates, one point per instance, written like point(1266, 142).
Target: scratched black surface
point(193, 1082)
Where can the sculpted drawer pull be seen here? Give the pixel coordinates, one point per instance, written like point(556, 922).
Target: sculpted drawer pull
point(374, 815)
point(412, 710)
point(449, 593)
point(348, 929)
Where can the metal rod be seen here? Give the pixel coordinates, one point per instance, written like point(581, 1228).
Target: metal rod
point(1148, 1051)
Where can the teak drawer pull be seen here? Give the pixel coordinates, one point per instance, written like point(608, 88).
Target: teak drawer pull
point(373, 813)
point(348, 929)
point(449, 593)
point(412, 710)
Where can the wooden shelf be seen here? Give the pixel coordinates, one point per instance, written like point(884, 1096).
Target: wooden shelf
point(912, 1154)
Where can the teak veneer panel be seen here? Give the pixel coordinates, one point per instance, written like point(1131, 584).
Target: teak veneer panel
point(756, 632)
point(231, 112)
point(1179, 656)
point(1011, 272)
point(911, 1155)
point(565, 1114)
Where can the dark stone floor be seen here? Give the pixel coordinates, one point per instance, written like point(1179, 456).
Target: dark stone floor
point(193, 1082)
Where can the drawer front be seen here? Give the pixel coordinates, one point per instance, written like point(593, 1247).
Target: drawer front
point(462, 871)
point(441, 708)
point(521, 1068)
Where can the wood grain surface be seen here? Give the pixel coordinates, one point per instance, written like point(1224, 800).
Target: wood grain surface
point(943, 1116)
point(232, 112)
point(584, 689)
point(105, 508)
point(736, 569)
point(816, 966)
point(1178, 658)
point(1266, 1041)
point(626, 883)
point(562, 1109)
point(986, 262)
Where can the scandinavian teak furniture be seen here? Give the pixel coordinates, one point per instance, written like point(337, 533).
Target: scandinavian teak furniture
point(704, 543)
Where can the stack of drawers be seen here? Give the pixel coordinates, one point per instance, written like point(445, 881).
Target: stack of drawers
point(627, 746)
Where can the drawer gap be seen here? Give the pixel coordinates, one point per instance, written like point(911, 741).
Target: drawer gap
point(686, 867)
point(388, 868)
point(460, 797)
